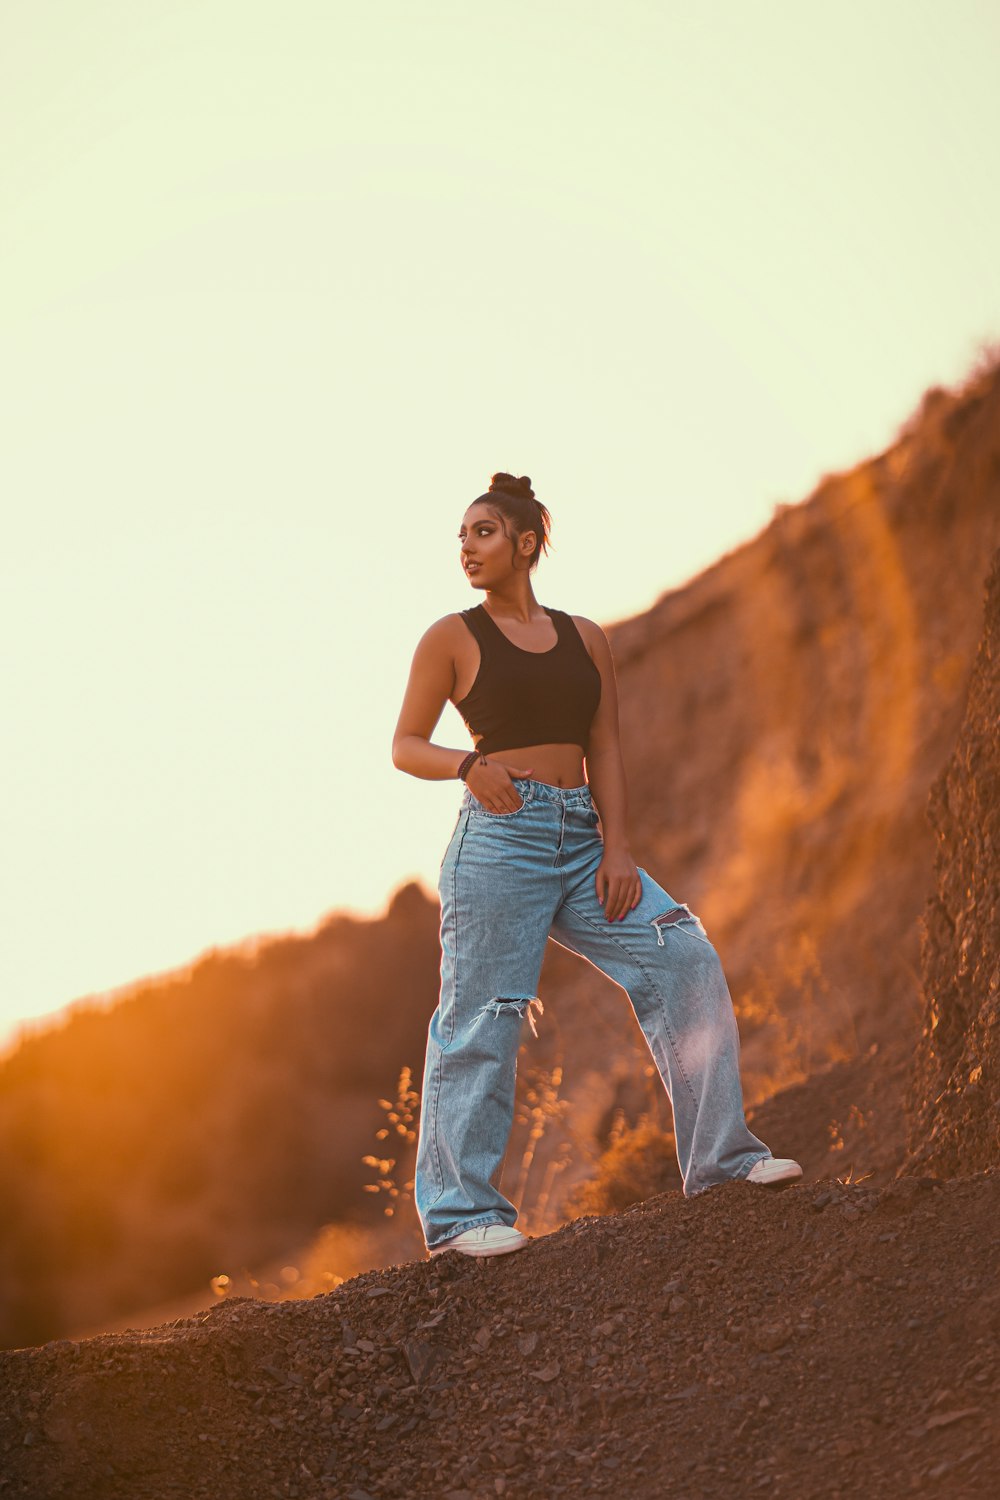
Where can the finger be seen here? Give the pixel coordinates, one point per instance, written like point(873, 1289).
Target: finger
point(614, 906)
point(625, 903)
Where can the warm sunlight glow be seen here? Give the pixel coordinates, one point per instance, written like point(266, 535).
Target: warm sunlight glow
point(257, 361)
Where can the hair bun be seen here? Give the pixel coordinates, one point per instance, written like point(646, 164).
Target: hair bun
point(508, 484)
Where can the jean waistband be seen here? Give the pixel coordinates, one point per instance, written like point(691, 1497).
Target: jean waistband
point(543, 791)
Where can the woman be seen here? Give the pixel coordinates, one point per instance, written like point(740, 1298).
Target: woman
point(526, 862)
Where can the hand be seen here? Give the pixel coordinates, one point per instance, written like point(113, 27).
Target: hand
point(618, 878)
point(491, 784)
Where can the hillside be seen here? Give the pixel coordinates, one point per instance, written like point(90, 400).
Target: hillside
point(784, 716)
point(827, 1340)
point(954, 1096)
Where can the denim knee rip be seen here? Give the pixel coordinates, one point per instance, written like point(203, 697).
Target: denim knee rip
point(683, 918)
point(500, 1004)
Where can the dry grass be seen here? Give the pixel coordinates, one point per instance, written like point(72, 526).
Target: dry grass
point(807, 1024)
point(792, 1001)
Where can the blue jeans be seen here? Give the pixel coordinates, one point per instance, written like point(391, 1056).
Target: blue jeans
point(508, 882)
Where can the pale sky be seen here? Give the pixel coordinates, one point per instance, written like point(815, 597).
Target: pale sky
point(282, 284)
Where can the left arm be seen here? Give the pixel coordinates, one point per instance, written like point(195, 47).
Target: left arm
point(617, 876)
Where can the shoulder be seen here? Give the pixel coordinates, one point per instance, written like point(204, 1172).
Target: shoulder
point(591, 632)
point(596, 642)
point(446, 634)
point(586, 627)
point(445, 627)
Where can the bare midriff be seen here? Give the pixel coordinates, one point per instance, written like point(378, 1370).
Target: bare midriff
point(559, 765)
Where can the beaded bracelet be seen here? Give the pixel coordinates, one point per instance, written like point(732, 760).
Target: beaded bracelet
point(467, 762)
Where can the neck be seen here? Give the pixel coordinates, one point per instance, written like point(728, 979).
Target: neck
point(516, 603)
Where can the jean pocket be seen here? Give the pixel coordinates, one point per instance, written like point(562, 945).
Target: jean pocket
point(483, 812)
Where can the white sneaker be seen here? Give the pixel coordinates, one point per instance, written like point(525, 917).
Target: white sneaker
point(489, 1239)
point(773, 1169)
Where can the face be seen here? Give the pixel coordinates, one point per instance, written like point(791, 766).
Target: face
point(486, 548)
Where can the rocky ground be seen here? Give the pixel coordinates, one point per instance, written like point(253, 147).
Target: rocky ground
point(827, 1339)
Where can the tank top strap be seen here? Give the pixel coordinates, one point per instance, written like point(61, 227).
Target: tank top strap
point(569, 635)
point(474, 619)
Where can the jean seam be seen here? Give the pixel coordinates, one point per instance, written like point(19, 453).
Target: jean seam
point(443, 1049)
point(653, 986)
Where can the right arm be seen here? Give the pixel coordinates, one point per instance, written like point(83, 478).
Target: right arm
point(431, 684)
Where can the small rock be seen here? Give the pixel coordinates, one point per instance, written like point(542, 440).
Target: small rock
point(421, 1358)
point(771, 1337)
point(945, 1418)
point(508, 1454)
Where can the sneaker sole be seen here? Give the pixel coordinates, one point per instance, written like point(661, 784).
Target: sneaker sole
point(480, 1252)
point(785, 1180)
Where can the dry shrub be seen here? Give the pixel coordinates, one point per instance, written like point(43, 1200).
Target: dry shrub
point(639, 1162)
point(808, 1026)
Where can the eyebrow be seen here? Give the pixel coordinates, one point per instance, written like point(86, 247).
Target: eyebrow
point(486, 521)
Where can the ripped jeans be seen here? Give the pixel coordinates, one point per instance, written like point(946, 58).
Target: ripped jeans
point(508, 882)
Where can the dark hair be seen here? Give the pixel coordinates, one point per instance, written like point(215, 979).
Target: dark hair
point(515, 500)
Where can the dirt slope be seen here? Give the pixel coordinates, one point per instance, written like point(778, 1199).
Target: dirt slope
point(955, 1094)
point(829, 1340)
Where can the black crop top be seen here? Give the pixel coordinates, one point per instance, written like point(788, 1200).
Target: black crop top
point(530, 697)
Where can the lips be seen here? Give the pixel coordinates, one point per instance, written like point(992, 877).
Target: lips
point(473, 567)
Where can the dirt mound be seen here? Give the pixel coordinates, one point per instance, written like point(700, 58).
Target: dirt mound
point(955, 1095)
point(828, 1340)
